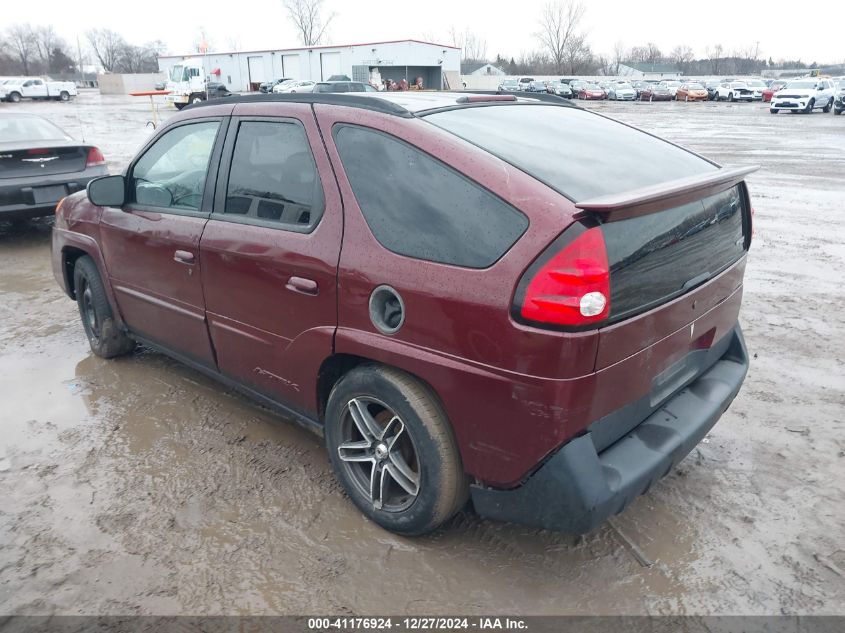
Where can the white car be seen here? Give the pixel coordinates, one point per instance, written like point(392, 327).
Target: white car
point(622, 91)
point(673, 87)
point(287, 87)
point(757, 87)
point(804, 95)
point(733, 91)
point(37, 88)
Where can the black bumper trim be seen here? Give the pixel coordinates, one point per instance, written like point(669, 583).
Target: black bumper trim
point(578, 488)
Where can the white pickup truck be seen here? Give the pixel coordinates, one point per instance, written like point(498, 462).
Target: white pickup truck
point(37, 88)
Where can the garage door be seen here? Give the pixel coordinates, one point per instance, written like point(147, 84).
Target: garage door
point(256, 69)
point(290, 66)
point(329, 65)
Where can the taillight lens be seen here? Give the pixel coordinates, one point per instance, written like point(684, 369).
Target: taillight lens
point(95, 157)
point(572, 287)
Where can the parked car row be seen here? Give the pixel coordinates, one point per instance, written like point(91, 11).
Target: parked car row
point(15, 89)
point(803, 95)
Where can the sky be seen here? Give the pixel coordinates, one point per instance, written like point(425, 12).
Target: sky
point(509, 28)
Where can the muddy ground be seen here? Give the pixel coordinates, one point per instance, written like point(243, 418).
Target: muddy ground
point(139, 486)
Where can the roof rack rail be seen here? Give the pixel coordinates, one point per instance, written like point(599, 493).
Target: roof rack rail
point(539, 96)
point(332, 98)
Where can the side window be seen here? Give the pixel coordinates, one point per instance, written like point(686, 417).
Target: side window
point(171, 174)
point(418, 207)
point(273, 176)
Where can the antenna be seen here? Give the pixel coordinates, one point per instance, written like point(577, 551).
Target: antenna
point(81, 81)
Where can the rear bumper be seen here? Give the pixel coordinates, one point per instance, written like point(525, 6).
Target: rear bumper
point(25, 197)
point(584, 482)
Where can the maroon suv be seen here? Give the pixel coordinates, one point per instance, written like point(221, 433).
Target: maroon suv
point(461, 304)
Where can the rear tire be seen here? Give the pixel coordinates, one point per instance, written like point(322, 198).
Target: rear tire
point(411, 440)
point(64, 95)
point(104, 336)
point(179, 106)
point(14, 97)
point(196, 98)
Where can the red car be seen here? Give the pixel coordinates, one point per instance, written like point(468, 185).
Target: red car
point(460, 304)
point(592, 92)
point(772, 89)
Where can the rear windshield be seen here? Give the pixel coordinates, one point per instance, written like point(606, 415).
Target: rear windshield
point(29, 128)
point(577, 153)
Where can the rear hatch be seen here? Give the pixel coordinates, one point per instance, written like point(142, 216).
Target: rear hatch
point(675, 226)
point(41, 159)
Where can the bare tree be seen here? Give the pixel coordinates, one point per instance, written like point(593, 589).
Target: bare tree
point(138, 59)
point(577, 55)
point(620, 55)
point(682, 56)
point(473, 48)
point(307, 16)
point(715, 56)
point(108, 46)
point(559, 24)
point(46, 41)
point(648, 54)
point(22, 41)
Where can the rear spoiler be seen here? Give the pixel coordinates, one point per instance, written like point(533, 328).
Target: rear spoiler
point(618, 206)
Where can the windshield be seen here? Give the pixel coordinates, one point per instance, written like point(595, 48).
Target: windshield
point(592, 87)
point(538, 139)
point(624, 87)
point(801, 84)
point(757, 84)
point(177, 73)
point(739, 84)
point(695, 87)
point(29, 128)
point(509, 82)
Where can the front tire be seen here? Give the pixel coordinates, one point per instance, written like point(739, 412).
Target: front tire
point(104, 336)
point(393, 449)
point(731, 97)
point(810, 105)
point(773, 110)
point(195, 98)
point(837, 111)
point(829, 105)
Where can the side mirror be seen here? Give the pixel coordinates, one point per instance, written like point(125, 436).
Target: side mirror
point(108, 191)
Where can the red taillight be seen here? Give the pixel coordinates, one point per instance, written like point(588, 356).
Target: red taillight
point(572, 288)
point(38, 151)
point(95, 157)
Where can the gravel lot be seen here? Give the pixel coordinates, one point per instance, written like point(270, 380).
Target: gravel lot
point(139, 486)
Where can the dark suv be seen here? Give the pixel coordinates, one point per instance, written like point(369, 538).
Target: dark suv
point(463, 306)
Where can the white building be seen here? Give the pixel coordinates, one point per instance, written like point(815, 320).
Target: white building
point(481, 69)
point(438, 65)
point(645, 70)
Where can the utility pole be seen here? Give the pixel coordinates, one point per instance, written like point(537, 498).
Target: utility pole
point(79, 56)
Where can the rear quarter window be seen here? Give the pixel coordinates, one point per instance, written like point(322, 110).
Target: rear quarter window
point(418, 207)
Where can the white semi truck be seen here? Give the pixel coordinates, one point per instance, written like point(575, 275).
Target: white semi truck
point(36, 88)
point(190, 82)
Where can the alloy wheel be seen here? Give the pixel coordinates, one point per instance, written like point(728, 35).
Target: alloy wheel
point(379, 454)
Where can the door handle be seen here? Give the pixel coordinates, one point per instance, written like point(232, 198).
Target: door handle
point(301, 285)
point(183, 257)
